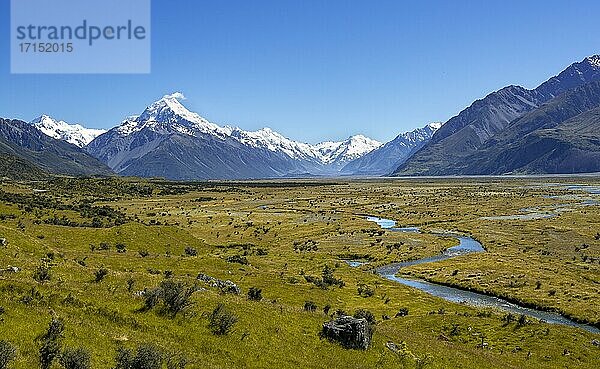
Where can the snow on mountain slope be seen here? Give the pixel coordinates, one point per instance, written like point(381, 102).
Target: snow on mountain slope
point(168, 116)
point(60, 130)
point(388, 157)
point(345, 151)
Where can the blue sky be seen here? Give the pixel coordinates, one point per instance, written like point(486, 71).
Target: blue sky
point(320, 69)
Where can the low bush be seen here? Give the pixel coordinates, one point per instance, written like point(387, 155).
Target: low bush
point(176, 297)
point(365, 290)
point(75, 358)
point(190, 251)
point(7, 354)
point(402, 312)
point(221, 320)
point(310, 306)
point(42, 273)
point(100, 274)
point(51, 343)
point(255, 294)
point(365, 314)
point(146, 356)
point(237, 259)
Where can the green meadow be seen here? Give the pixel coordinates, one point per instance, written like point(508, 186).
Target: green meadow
point(90, 253)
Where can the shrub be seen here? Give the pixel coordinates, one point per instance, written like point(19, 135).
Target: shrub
point(310, 306)
point(51, 343)
point(176, 361)
point(340, 312)
point(365, 290)
point(326, 309)
point(175, 295)
point(522, 320)
point(121, 248)
point(130, 283)
point(42, 273)
point(255, 294)
point(365, 314)
point(237, 259)
point(423, 361)
point(146, 357)
point(221, 320)
point(190, 251)
point(75, 358)
point(402, 312)
point(508, 318)
point(100, 274)
point(329, 279)
point(151, 298)
point(143, 253)
point(7, 354)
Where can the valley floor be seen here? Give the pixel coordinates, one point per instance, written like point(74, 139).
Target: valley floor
point(85, 250)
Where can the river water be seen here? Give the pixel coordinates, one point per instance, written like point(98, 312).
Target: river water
point(467, 245)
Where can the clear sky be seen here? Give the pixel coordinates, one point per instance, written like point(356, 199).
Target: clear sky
point(320, 69)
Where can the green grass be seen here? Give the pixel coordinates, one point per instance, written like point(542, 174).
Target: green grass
point(223, 220)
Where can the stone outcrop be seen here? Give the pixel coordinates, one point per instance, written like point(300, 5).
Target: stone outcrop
point(350, 332)
point(223, 286)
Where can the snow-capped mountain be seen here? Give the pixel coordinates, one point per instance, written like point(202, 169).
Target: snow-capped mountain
point(340, 153)
point(329, 154)
point(388, 157)
point(170, 141)
point(61, 130)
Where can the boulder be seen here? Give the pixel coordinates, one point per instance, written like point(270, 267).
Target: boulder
point(223, 286)
point(350, 332)
point(3, 242)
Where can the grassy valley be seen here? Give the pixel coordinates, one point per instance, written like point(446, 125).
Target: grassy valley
point(121, 264)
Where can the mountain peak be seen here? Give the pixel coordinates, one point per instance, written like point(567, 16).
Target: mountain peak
point(593, 60)
point(168, 114)
point(61, 130)
point(435, 125)
point(167, 106)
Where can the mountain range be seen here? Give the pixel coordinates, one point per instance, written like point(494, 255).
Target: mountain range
point(24, 144)
point(167, 140)
point(482, 131)
point(553, 128)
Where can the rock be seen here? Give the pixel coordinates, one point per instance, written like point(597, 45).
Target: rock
point(3, 242)
point(350, 332)
point(13, 269)
point(223, 286)
point(392, 346)
point(595, 342)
